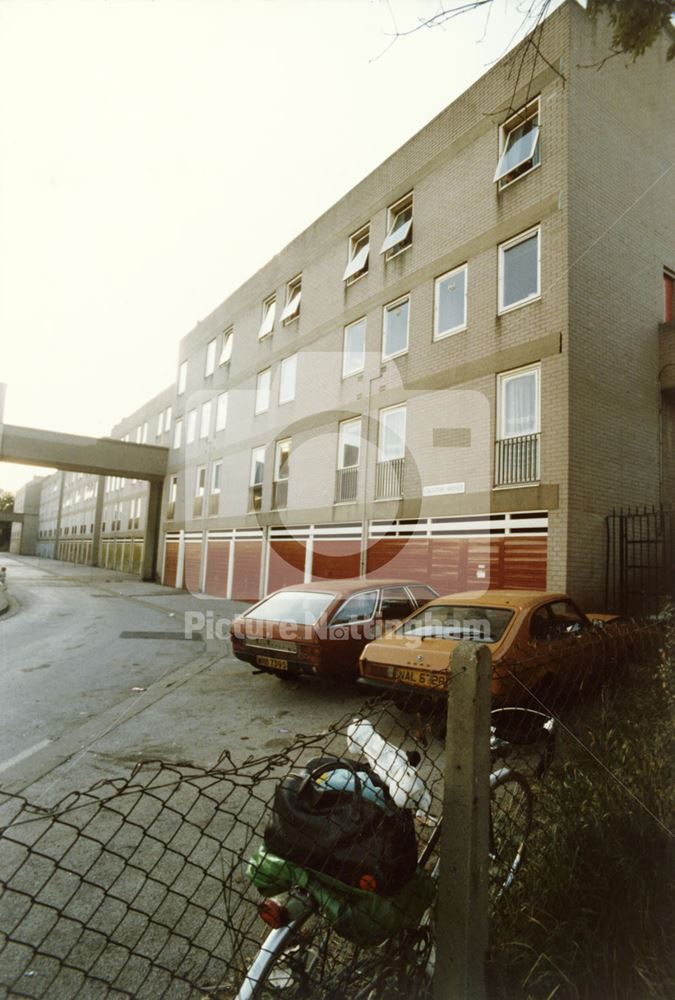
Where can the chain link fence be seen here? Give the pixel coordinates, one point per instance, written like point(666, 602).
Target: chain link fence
point(143, 887)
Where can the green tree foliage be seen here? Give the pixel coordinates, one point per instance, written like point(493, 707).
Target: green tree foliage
point(6, 500)
point(636, 24)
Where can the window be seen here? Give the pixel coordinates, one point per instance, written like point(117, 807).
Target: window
point(205, 420)
point(395, 604)
point(422, 593)
point(268, 312)
point(178, 434)
point(354, 350)
point(518, 144)
point(191, 426)
point(215, 477)
point(282, 456)
point(287, 372)
point(221, 411)
point(167, 418)
point(257, 477)
point(357, 608)
point(171, 503)
point(668, 297)
point(359, 249)
point(262, 391)
point(160, 424)
point(391, 443)
point(519, 269)
point(399, 227)
point(200, 481)
point(210, 365)
point(226, 351)
point(182, 378)
point(517, 445)
point(519, 403)
point(349, 443)
point(395, 329)
point(450, 303)
point(293, 295)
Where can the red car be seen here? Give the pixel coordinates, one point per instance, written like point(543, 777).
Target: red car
point(321, 628)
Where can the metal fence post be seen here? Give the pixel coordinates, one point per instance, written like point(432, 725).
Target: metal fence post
point(461, 908)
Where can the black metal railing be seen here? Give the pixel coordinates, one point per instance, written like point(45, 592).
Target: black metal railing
point(517, 460)
point(389, 479)
point(346, 484)
point(279, 493)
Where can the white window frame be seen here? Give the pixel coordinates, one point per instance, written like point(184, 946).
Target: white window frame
point(386, 309)
point(221, 411)
point(341, 437)
point(293, 297)
point(502, 380)
point(503, 249)
point(255, 460)
point(269, 308)
point(182, 377)
point(160, 424)
point(359, 252)
point(226, 349)
point(441, 334)
point(381, 426)
point(191, 431)
point(168, 414)
point(173, 489)
point(506, 129)
point(277, 460)
point(258, 387)
point(345, 336)
point(395, 244)
point(205, 420)
point(292, 362)
point(200, 480)
point(178, 434)
point(216, 468)
point(210, 362)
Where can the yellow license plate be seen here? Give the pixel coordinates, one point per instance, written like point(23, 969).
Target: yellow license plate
point(422, 678)
point(271, 662)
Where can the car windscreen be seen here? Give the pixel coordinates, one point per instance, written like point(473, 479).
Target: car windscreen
point(300, 607)
point(457, 621)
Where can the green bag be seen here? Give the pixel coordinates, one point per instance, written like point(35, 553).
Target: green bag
point(359, 916)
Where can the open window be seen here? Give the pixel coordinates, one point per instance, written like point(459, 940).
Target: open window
point(268, 313)
point(399, 227)
point(226, 350)
point(359, 250)
point(519, 150)
point(293, 296)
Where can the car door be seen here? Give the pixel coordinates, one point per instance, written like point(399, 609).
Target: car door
point(395, 605)
point(351, 626)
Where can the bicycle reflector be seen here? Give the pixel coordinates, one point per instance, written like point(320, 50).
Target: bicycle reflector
point(274, 913)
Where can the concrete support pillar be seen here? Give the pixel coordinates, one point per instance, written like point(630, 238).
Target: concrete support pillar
point(180, 564)
point(98, 519)
point(152, 523)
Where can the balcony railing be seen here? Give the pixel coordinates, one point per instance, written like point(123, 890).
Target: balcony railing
point(214, 504)
point(255, 498)
point(279, 494)
point(517, 460)
point(197, 506)
point(346, 484)
point(389, 479)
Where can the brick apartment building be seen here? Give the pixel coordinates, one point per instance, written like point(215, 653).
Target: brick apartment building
point(454, 374)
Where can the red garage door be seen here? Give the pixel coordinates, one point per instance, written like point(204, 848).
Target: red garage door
point(287, 564)
point(217, 564)
point(246, 574)
point(193, 565)
point(336, 560)
point(170, 564)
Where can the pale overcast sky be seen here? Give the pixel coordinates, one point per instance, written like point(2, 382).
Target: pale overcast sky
point(153, 155)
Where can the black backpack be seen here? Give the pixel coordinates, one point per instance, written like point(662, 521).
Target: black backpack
point(363, 843)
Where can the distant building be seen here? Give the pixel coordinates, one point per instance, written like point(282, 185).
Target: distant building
point(454, 374)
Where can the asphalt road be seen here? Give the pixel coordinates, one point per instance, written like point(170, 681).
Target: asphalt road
point(96, 674)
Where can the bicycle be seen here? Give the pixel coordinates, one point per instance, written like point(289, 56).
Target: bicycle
point(303, 957)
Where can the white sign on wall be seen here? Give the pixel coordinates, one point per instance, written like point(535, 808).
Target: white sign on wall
point(442, 488)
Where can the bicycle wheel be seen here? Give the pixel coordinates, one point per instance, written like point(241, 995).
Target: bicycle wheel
point(510, 822)
point(304, 962)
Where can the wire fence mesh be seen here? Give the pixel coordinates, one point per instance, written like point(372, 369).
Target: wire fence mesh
point(143, 887)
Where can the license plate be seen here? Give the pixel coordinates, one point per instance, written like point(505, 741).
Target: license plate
point(422, 678)
point(272, 662)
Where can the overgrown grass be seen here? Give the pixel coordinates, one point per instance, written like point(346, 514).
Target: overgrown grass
point(590, 916)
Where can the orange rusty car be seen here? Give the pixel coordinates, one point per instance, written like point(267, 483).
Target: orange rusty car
point(320, 628)
point(537, 640)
